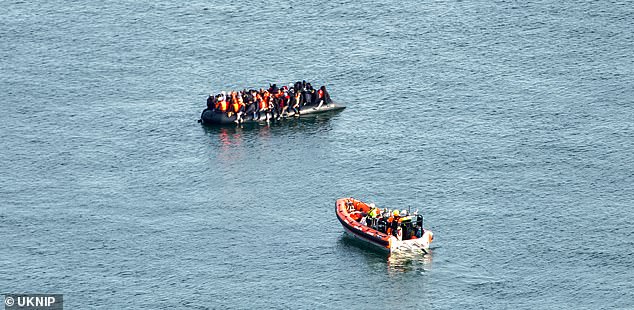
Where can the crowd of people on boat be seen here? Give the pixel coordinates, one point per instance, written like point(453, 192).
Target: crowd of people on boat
point(400, 224)
point(274, 102)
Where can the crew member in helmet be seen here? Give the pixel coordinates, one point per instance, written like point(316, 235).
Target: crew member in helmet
point(394, 223)
point(373, 215)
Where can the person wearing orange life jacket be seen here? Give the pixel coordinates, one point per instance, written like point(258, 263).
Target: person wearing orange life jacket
point(221, 102)
point(259, 104)
point(238, 106)
point(284, 101)
point(232, 100)
point(222, 105)
point(393, 222)
point(264, 104)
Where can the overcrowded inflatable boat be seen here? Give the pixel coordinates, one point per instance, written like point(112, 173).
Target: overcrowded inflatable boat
point(266, 105)
point(210, 116)
point(390, 230)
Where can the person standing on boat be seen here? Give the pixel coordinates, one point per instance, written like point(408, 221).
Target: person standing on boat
point(382, 223)
point(393, 223)
point(372, 215)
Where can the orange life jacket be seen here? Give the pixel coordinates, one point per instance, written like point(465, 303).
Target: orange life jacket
point(356, 216)
point(296, 99)
point(262, 103)
point(237, 106)
point(222, 106)
point(234, 102)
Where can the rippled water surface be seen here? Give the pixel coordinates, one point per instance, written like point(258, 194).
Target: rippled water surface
point(508, 124)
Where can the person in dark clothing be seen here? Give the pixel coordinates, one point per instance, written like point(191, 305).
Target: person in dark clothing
point(279, 103)
point(308, 97)
point(394, 225)
point(304, 97)
point(273, 89)
point(211, 102)
point(311, 97)
point(324, 97)
point(250, 108)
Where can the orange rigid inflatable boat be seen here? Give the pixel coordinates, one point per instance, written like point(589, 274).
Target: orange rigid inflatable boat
point(389, 232)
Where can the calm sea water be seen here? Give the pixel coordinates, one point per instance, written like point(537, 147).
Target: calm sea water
point(508, 124)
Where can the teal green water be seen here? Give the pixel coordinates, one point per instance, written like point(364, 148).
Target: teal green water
point(509, 125)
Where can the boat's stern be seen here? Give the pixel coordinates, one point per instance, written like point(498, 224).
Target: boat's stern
point(423, 243)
